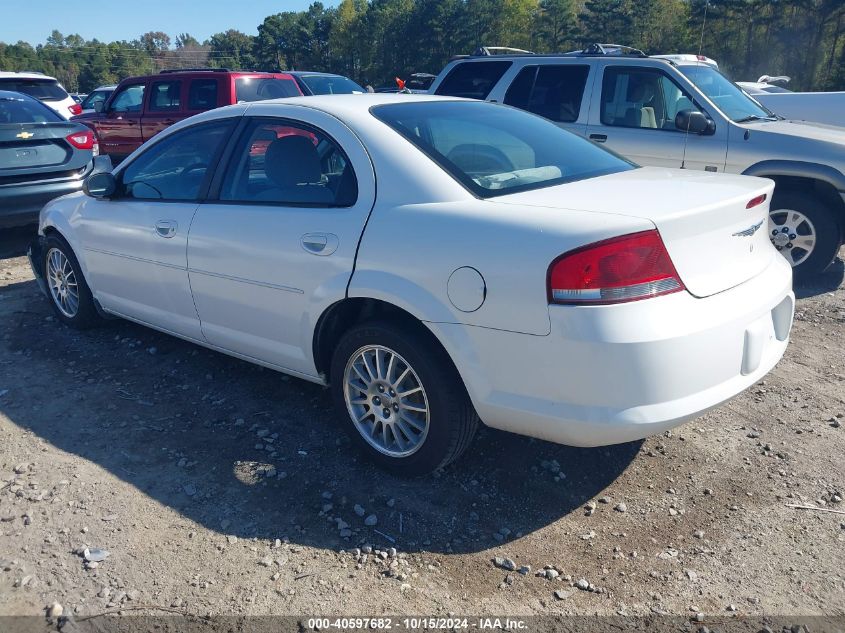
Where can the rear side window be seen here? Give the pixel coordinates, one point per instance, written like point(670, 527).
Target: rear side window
point(175, 167)
point(165, 96)
point(202, 94)
point(472, 80)
point(260, 88)
point(44, 89)
point(553, 91)
point(286, 163)
point(20, 110)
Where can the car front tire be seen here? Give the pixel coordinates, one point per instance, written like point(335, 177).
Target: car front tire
point(69, 293)
point(400, 398)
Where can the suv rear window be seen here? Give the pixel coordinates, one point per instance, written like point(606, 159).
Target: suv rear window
point(260, 88)
point(44, 89)
point(494, 150)
point(472, 80)
point(22, 110)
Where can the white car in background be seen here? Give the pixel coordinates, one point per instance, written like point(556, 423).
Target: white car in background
point(817, 107)
point(46, 89)
point(435, 261)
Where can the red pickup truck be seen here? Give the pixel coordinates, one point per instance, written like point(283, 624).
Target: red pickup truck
point(141, 107)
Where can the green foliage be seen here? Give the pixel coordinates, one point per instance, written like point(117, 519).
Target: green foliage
point(374, 41)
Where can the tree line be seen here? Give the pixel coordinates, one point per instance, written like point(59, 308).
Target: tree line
point(373, 41)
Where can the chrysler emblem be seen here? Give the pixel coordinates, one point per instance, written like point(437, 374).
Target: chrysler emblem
point(24, 135)
point(751, 230)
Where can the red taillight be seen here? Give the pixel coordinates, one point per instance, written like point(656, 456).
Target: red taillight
point(81, 140)
point(626, 268)
point(756, 201)
point(75, 109)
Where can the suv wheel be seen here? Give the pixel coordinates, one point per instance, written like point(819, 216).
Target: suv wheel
point(403, 402)
point(805, 232)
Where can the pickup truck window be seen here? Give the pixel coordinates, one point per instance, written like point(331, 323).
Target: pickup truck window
point(552, 91)
point(499, 150)
point(473, 80)
point(202, 94)
point(641, 98)
point(165, 96)
point(128, 99)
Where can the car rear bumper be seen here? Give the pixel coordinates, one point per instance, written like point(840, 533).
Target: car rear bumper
point(21, 202)
point(612, 374)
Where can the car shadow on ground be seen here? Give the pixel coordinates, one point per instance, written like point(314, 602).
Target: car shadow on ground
point(197, 431)
point(13, 242)
point(830, 280)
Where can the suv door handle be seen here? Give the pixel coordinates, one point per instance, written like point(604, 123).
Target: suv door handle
point(166, 228)
point(598, 138)
point(320, 243)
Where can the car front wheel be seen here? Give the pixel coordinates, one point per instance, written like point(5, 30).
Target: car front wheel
point(403, 402)
point(69, 293)
point(804, 231)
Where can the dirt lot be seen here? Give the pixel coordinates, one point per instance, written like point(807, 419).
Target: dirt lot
point(218, 487)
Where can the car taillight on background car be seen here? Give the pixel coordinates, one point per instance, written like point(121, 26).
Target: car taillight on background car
point(626, 268)
point(75, 109)
point(82, 140)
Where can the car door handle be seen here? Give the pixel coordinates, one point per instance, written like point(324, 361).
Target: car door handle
point(320, 243)
point(166, 228)
point(598, 138)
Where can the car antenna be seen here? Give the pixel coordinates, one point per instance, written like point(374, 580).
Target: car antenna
point(699, 61)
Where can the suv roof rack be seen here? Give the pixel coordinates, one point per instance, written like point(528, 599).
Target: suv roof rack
point(608, 49)
point(487, 51)
point(194, 70)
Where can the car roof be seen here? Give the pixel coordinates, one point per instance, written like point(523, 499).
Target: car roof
point(310, 73)
point(8, 74)
point(109, 87)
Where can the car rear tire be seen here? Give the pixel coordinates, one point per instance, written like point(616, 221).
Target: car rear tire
point(805, 232)
point(69, 293)
point(400, 398)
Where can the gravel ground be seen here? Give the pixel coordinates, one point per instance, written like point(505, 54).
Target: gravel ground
point(216, 487)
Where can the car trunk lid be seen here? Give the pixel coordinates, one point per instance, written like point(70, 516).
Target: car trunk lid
point(26, 146)
point(714, 240)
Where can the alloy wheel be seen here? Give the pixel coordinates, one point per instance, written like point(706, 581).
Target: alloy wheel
point(793, 234)
point(61, 279)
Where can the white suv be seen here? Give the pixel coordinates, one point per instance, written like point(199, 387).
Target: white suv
point(678, 113)
point(46, 89)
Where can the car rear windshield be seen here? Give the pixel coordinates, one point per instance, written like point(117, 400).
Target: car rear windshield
point(20, 110)
point(44, 89)
point(260, 88)
point(331, 85)
point(495, 150)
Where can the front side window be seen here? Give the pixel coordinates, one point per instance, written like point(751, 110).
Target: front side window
point(494, 150)
point(202, 94)
point(91, 101)
point(165, 96)
point(129, 99)
point(642, 98)
point(286, 163)
point(175, 167)
point(552, 91)
point(472, 80)
point(725, 94)
point(260, 88)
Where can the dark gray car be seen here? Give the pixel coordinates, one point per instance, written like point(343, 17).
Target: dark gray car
point(42, 156)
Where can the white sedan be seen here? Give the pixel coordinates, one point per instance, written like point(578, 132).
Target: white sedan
point(435, 261)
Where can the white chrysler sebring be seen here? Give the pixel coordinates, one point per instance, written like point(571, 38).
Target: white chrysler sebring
point(436, 261)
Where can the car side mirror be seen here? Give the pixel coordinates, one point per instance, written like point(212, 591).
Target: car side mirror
point(694, 122)
point(102, 164)
point(100, 185)
point(99, 106)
